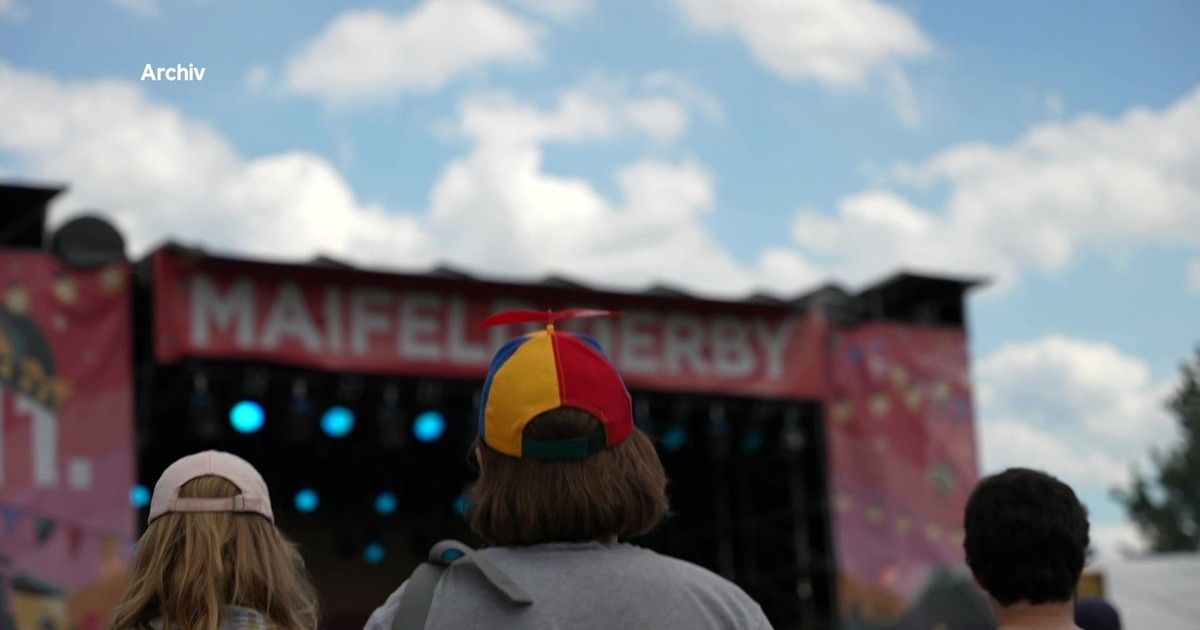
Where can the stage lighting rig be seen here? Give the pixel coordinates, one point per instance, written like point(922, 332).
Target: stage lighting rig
point(719, 431)
point(206, 423)
point(389, 420)
point(301, 416)
point(792, 434)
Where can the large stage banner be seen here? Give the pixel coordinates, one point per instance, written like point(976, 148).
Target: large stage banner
point(902, 463)
point(353, 321)
point(66, 441)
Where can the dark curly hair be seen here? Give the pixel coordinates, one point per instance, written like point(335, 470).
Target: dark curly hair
point(1026, 537)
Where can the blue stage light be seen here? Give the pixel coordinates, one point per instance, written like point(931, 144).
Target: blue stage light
point(337, 422)
point(139, 496)
point(386, 502)
point(429, 426)
point(307, 500)
point(461, 505)
point(374, 553)
point(674, 437)
point(753, 442)
point(247, 416)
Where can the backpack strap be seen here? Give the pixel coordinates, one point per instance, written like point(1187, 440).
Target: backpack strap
point(417, 598)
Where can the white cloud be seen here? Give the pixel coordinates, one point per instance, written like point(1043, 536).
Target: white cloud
point(1117, 540)
point(13, 11)
point(660, 118)
point(1070, 385)
point(258, 77)
point(903, 97)
point(1105, 185)
point(1054, 104)
point(501, 119)
point(159, 174)
point(1010, 443)
point(877, 230)
point(144, 8)
point(835, 41)
point(686, 91)
point(782, 271)
point(553, 224)
point(561, 10)
point(496, 210)
point(1081, 410)
point(596, 110)
point(370, 54)
point(652, 232)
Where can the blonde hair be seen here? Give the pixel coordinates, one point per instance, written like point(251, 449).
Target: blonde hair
point(190, 565)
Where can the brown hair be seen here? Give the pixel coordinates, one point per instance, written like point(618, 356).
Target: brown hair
point(619, 491)
point(190, 565)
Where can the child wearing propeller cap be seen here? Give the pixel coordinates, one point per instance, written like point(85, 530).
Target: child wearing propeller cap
point(564, 476)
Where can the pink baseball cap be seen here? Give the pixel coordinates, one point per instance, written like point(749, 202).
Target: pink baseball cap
point(253, 498)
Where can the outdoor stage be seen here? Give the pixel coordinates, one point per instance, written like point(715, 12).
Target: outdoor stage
point(820, 449)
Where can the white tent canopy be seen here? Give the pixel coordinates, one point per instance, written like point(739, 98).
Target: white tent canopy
point(1158, 591)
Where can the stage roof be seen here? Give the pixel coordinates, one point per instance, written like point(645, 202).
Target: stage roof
point(904, 295)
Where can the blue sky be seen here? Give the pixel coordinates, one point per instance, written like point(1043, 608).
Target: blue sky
point(718, 145)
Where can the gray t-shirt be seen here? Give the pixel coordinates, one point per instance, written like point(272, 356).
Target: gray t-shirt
point(584, 586)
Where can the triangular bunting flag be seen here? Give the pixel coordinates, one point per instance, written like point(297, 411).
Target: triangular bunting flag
point(108, 548)
point(45, 527)
point(11, 517)
point(111, 562)
point(74, 540)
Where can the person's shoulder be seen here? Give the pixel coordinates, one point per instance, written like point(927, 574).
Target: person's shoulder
point(684, 573)
point(719, 596)
point(383, 616)
point(683, 568)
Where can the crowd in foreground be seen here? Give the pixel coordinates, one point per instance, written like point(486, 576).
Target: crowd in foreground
point(564, 477)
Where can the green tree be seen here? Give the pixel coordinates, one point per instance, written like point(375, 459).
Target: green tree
point(1165, 505)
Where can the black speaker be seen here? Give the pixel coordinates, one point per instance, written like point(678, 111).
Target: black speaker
point(23, 215)
point(89, 241)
